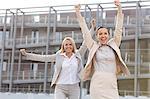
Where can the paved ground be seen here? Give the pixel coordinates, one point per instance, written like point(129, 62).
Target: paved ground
point(47, 96)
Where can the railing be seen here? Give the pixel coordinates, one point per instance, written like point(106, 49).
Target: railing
point(27, 41)
point(29, 89)
point(39, 74)
point(73, 21)
point(128, 56)
point(27, 73)
point(131, 93)
point(67, 19)
point(42, 40)
point(30, 20)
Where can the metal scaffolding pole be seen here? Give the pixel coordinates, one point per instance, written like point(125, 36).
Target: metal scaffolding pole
point(47, 46)
point(13, 52)
point(22, 26)
point(136, 82)
point(21, 35)
point(99, 21)
point(10, 37)
point(3, 47)
point(87, 16)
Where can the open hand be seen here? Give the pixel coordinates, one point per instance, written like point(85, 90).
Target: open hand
point(93, 23)
point(117, 2)
point(77, 7)
point(23, 52)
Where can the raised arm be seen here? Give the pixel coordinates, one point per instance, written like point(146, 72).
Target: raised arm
point(83, 47)
point(37, 57)
point(119, 24)
point(84, 28)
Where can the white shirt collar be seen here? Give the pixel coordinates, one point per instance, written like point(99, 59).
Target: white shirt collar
point(64, 54)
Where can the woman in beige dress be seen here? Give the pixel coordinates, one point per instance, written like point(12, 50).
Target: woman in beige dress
point(104, 60)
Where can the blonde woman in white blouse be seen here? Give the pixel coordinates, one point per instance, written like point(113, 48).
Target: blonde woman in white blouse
point(68, 65)
point(104, 59)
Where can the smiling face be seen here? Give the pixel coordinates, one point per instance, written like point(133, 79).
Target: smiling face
point(68, 46)
point(102, 35)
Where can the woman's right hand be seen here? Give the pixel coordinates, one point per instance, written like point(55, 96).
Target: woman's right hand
point(23, 52)
point(117, 2)
point(77, 7)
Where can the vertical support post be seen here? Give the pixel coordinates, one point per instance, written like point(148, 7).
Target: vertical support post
point(137, 46)
point(19, 66)
point(47, 46)
point(13, 52)
point(22, 27)
point(3, 47)
point(99, 21)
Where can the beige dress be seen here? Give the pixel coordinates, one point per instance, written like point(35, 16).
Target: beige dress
point(104, 81)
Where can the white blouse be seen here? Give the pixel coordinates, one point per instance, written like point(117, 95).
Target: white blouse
point(69, 71)
point(105, 59)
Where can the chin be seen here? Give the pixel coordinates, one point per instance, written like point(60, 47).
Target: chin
point(103, 42)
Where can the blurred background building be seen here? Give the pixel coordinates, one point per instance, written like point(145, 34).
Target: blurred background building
point(41, 30)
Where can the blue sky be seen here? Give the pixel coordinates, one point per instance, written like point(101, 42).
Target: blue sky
point(5, 4)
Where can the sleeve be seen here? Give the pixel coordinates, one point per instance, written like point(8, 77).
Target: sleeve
point(42, 58)
point(83, 47)
point(85, 31)
point(118, 27)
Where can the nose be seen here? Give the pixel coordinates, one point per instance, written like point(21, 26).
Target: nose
point(102, 36)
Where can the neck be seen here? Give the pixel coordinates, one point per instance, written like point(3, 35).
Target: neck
point(69, 54)
point(103, 44)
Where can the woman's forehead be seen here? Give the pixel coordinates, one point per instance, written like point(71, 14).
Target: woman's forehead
point(102, 29)
point(67, 41)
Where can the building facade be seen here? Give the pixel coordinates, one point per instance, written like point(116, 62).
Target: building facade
point(41, 30)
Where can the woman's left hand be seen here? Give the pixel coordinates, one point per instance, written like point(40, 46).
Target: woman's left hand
point(93, 23)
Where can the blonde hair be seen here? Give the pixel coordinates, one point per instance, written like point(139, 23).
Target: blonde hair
point(72, 41)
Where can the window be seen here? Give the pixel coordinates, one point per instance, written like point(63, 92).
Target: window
point(1, 35)
point(36, 18)
point(8, 20)
point(35, 36)
point(34, 66)
point(104, 15)
point(4, 66)
point(58, 36)
point(34, 69)
point(6, 36)
point(58, 17)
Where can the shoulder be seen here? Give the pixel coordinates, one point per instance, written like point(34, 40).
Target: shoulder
point(77, 53)
point(112, 40)
point(58, 52)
